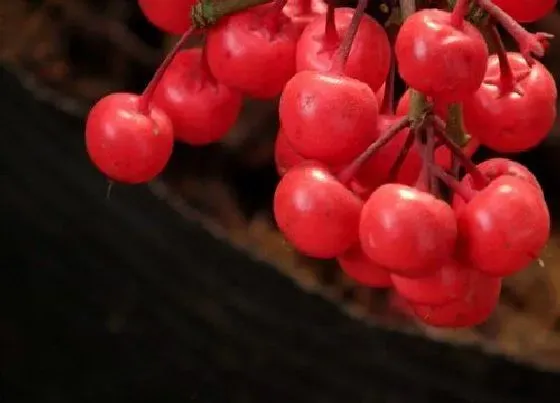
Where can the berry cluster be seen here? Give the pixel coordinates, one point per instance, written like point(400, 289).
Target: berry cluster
point(388, 190)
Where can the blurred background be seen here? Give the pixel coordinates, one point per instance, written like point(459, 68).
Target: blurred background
point(183, 290)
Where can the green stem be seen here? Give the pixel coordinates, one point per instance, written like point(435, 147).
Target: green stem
point(207, 12)
point(454, 127)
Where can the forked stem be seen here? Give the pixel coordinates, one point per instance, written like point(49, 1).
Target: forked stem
point(471, 168)
point(341, 55)
point(350, 171)
point(529, 44)
point(457, 187)
point(148, 93)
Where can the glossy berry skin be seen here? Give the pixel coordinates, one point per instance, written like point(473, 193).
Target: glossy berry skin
point(448, 283)
point(526, 10)
point(504, 227)
point(376, 170)
point(473, 309)
point(370, 56)
point(202, 109)
point(328, 117)
point(438, 59)
point(315, 212)
point(517, 119)
point(126, 145)
point(171, 16)
point(409, 232)
point(492, 169)
point(360, 268)
point(302, 12)
point(253, 51)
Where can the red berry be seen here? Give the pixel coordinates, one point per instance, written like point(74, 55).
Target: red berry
point(370, 55)
point(360, 268)
point(124, 143)
point(504, 227)
point(377, 168)
point(439, 59)
point(253, 51)
point(447, 284)
point(526, 10)
point(328, 117)
point(202, 110)
point(302, 12)
point(315, 212)
point(172, 16)
point(407, 231)
point(510, 120)
point(492, 169)
point(474, 308)
point(285, 157)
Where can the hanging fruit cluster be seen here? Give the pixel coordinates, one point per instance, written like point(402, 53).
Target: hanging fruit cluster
point(388, 190)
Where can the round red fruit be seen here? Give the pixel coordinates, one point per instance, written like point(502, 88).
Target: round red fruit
point(316, 213)
point(439, 59)
point(126, 144)
point(504, 227)
point(473, 309)
point(511, 120)
point(359, 267)
point(370, 56)
point(492, 169)
point(253, 51)
point(449, 283)
point(328, 117)
point(171, 16)
point(409, 232)
point(202, 109)
point(526, 10)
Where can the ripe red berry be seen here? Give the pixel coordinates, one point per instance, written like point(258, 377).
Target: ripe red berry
point(492, 169)
point(124, 143)
point(526, 10)
point(360, 268)
point(504, 227)
point(253, 51)
point(449, 283)
point(439, 57)
point(370, 55)
point(315, 212)
point(171, 16)
point(376, 170)
point(407, 231)
point(512, 114)
point(202, 109)
point(328, 117)
point(302, 12)
point(474, 308)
